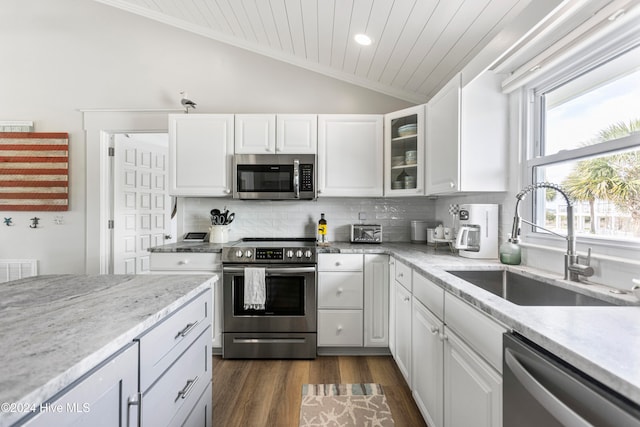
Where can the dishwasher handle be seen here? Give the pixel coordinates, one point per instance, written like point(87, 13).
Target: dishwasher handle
point(548, 400)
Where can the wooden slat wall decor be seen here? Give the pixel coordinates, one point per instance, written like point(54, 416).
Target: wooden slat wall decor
point(34, 171)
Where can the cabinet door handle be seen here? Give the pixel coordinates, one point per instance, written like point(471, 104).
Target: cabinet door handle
point(186, 390)
point(183, 262)
point(435, 330)
point(340, 290)
point(407, 299)
point(400, 275)
point(443, 337)
point(188, 328)
point(339, 328)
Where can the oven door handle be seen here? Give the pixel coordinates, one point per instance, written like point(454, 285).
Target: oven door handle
point(273, 270)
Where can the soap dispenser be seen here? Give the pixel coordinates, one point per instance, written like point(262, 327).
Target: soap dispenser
point(510, 252)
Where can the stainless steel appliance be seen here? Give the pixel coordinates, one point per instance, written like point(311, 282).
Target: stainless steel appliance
point(478, 233)
point(286, 326)
point(274, 176)
point(366, 233)
point(539, 389)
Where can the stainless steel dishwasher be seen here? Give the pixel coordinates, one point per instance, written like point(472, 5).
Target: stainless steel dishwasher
point(539, 389)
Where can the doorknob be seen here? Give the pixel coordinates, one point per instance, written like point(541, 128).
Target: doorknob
point(167, 236)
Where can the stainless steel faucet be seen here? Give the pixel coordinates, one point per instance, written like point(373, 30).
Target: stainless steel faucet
point(572, 267)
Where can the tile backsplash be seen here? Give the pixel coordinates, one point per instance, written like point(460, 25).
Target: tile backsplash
point(300, 218)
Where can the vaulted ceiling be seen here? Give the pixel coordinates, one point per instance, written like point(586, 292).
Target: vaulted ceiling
point(418, 45)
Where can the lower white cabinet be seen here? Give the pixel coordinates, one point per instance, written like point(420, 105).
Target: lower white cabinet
point(340, 300)
point(100, 398)
point(376, 300)
point(392, 306)
point(340, 328)
point(427, 348)
point(403, 330)
point(472, 387)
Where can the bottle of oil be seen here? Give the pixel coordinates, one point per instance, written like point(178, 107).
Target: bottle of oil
point(322, 231)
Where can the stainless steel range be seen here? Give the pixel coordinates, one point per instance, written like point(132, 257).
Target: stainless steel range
point(283, 323)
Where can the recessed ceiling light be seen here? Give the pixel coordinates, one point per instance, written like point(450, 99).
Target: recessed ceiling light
point(363, 39)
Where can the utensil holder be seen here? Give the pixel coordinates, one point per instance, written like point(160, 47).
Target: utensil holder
point(219, 234)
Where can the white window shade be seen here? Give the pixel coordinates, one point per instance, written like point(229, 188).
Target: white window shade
point(565, 42)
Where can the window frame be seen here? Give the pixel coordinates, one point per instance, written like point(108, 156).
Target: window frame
point(534, 125)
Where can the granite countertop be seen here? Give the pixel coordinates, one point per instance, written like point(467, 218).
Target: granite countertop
point(190, 247)
point(56, 328)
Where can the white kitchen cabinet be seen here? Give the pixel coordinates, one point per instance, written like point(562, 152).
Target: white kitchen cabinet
point(376, 300)
point(297, 133)
point(195, 263)
point(200, 154)
point(404, 152)
point(271, 133)
point(467, 137)
point(403, 330)
point(100, 398)
point(340, 300)
point(473, 389)
point(255, 133)
point(427, 349)
point(392, 306)
point(350, 155)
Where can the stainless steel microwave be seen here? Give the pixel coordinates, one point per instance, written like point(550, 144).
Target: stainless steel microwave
point(274, 176)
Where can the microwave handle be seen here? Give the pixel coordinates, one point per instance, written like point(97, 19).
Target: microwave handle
point(296, 178)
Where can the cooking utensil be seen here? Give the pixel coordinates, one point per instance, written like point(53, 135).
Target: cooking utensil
point(230, 218)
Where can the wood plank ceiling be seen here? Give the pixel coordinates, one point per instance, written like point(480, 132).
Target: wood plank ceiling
point(418, 45)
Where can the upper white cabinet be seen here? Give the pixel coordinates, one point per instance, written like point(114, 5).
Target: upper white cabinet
point(200, 154)
point(350, 155)
point(467, 137)
point(255, 134)
point(404, 152)
point(270, 133)
point(297, 133)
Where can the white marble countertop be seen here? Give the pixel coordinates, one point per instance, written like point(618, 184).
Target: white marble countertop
point(54, 329)
point(603, 342)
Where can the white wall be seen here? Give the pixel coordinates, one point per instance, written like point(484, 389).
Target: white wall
point(63, 56)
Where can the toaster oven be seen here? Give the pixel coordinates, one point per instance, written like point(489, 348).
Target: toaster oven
point(366, 233)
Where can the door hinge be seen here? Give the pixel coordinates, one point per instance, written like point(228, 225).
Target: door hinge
point(112, 151)
point(110, 224)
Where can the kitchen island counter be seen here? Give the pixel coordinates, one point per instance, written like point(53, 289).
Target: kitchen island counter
point(57, 328)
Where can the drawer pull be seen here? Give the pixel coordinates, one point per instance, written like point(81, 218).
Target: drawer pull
point(183, 333)
point(187, 389)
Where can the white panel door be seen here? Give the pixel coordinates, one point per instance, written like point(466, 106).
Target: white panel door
point(141, 202)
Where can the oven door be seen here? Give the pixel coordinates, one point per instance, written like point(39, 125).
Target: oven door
point(290, 304)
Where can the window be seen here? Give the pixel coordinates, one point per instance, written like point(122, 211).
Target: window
point(588, 141)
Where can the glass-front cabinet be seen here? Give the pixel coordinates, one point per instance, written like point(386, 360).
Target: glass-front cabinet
point(404, 152)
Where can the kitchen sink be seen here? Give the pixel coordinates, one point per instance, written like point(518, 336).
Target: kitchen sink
point(524, 290)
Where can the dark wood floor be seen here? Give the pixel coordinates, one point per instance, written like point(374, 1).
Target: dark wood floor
point(267, 393)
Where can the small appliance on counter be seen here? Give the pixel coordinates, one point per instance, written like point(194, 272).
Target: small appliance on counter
point(478, 233)
point(366, 233)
